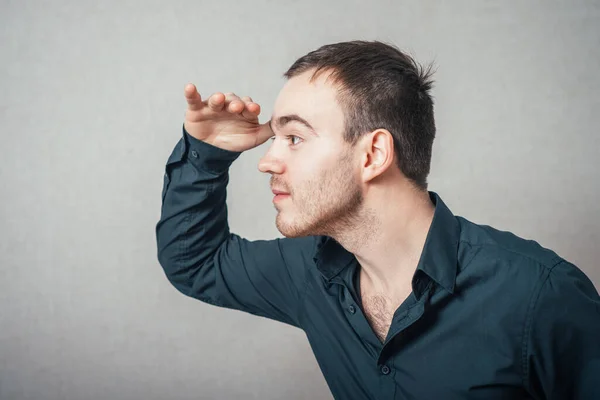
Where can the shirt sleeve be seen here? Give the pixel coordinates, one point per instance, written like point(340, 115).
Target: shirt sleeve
point(204, 260)
point(563, 346)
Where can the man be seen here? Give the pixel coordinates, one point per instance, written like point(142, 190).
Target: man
point(399, 298)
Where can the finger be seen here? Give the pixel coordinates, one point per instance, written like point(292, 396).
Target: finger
point(193, 97)
point(233, 103)
point(236, 106)
point(230, 96)
point(216, 101)
point(251, 110)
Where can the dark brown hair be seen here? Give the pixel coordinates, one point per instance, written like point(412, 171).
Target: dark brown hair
point(380, 87)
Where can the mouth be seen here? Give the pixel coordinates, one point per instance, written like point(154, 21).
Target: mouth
point(279, 195)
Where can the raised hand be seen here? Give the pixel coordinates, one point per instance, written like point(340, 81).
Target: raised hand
point(225, 120)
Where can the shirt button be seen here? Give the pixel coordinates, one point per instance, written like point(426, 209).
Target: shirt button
point(351, 309)
point(385, 369)
point(194, 154)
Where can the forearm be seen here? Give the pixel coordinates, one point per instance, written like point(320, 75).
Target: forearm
point(193, 221)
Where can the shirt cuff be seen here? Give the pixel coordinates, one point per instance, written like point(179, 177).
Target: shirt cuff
point(203, 155)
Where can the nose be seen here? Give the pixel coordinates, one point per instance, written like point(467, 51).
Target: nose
point(271, 164)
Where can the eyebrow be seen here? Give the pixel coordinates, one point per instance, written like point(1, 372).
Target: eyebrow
point(280, 122)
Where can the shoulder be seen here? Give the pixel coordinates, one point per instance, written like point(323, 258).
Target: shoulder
point(504, 248)
point(521, 266)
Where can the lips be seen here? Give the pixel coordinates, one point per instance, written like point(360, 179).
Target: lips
point(280, 195)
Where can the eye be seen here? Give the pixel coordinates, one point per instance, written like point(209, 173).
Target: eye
point(291, 138)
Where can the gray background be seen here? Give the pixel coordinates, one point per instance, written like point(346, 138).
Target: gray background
point(91, 105)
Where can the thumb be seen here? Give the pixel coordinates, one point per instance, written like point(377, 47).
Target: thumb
point(264, 133)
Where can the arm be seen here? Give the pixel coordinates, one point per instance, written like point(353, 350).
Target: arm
point(200, 256)
point(563, 345)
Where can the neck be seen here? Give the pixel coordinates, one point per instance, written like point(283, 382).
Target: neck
point(388, 235)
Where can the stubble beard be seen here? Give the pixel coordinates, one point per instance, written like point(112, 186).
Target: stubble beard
point(330, 206)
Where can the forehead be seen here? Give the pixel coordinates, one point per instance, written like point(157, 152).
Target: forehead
point(314, 101)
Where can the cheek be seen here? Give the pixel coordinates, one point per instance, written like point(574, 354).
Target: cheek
point(323, 184)
point(317, 173)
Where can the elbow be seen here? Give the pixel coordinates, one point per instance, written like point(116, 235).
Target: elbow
point(190, 277)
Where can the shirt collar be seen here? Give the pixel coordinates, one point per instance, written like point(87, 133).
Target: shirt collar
point(438, 259)
point(331, 257)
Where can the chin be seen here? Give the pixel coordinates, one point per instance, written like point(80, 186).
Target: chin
point(291, 229)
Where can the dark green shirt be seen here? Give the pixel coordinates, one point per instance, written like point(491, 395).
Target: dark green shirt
point(491, 315)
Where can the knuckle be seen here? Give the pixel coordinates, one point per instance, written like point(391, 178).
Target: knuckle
point(232, 97)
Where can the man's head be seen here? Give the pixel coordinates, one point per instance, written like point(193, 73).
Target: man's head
point(349, 114)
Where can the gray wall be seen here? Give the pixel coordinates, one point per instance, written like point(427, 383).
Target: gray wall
point(91, 104)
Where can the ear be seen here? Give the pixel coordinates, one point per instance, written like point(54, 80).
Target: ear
point(378, 153)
